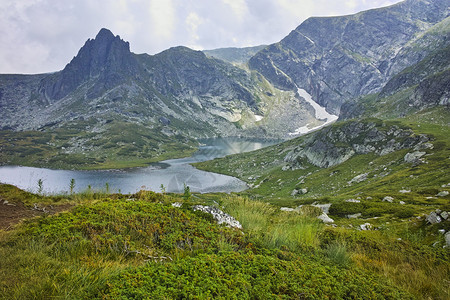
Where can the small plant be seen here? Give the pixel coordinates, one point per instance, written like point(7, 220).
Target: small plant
point(107, 187)
point(337, 252)
point(187, 192)
point(163, 188)
point(72, 185)
point(40, 186)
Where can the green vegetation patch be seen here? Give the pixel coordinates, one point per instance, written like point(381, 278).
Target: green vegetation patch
point(247, 276)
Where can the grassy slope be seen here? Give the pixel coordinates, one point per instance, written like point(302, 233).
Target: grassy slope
point(115, 246)
point(387, 174)
point(122, 145)
point(139, 247)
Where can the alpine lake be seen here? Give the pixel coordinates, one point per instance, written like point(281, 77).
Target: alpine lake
point(170, 175)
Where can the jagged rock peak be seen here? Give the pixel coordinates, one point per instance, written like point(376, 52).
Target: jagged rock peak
point(107, 57)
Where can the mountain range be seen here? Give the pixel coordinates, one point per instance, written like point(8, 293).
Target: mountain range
point(347, 64)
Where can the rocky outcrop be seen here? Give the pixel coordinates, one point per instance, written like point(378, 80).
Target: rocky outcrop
point(220, 216)
point(334, 145)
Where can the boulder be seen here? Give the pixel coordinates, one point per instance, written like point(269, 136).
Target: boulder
point(359, 178)
point(447, 238)
point(444, 215)
point(414, 157)
point(433, 218)
point(442, 194)
point(354, 216)
point(324, 207)
point(325, 218)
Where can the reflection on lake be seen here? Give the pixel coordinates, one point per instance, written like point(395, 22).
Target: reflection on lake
point(173, 174)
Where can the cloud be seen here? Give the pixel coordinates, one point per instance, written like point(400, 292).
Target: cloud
point(43, 35)
point(162, 15)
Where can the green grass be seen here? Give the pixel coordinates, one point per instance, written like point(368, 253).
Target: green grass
point(139, 246)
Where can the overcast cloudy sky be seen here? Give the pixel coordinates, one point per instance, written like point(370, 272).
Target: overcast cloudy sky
point(38, 36)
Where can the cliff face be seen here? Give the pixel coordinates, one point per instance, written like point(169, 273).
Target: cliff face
point(339, 58)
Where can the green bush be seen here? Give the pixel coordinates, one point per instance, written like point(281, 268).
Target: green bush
point(246, 276)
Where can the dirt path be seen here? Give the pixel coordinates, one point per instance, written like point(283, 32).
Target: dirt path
point(13, 213)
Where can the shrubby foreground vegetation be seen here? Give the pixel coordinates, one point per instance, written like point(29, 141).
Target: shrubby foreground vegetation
point(113, 246)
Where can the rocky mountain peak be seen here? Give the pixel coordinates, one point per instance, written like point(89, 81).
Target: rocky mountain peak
point(107, 57)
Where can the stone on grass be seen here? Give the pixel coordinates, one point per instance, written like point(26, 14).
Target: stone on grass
point(359, 178)
point(442, 194)
point(388, 199)
point(219, 215)
point(352, 201)
point(402, 202)
point(444, 215)
point(286, 209)
point(365, 226)
point(354, 216)
point(447, 238)
point(325, 218)
point(177, 204)
point(433, 218)
point(324, 207)
point(404, 191)
point(414, 157)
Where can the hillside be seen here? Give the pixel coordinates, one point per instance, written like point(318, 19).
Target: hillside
point(150, 245)
point(336, 59)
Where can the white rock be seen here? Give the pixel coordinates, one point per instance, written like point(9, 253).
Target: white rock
point(442, 194)
point(286, 209)
point(177, 204)
point(354, 216)
point(433, 218)
point(444, 215)
point(325, 218)
point(441, 231)
point(219, 215)
point(365, 226)
point(352, 201)
point(358, 178)
point(447, 238)
point(324, 207)
point(404, 191)
point(388, 199)
point(402, 202)
point(414, 157)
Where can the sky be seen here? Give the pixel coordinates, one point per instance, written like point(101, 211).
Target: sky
point(39, 36)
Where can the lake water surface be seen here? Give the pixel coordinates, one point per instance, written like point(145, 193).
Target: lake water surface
point(173, 174)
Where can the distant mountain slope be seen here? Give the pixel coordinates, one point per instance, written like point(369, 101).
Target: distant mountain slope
point(339, 58)
point(176, 95)
point(234, 55)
